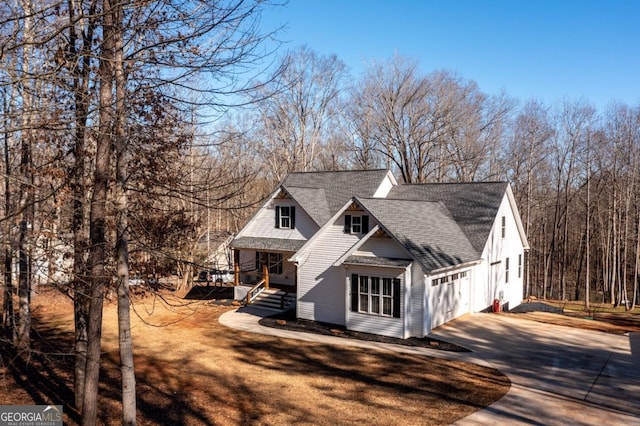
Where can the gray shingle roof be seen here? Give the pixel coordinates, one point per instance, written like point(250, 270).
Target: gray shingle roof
point(313, 201)
point(473, 206)
point(260, 243)
point(425, 229)
point(322, 194)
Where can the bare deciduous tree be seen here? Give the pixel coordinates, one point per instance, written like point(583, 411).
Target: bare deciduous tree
point(298, 110)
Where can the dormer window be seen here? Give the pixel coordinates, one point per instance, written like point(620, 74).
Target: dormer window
point(356, 224)
point(285, 217)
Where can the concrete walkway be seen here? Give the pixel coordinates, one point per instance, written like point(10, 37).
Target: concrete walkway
point(559, 375)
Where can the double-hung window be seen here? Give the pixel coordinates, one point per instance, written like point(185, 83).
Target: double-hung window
point(375, 295)
point(356, 224)
point(387, 296)
point(519, 266)
point(506, 270)
point(364, 293)
point(285, 217)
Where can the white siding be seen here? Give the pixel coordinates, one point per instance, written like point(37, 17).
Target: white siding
point(416, 304)
point(376, 324)
point(382, 247)
point(320, 284)
point(489, 281)
point(263, 223)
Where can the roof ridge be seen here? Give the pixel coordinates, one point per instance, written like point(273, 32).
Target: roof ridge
point(453, 183)
point(301, 186)
point(338, 171)
point(398, 199)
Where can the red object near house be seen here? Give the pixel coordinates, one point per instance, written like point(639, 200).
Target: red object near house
point(496, 305)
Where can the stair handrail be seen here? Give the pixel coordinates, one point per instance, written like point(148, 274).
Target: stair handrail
point(283, 298)
point(255, 291)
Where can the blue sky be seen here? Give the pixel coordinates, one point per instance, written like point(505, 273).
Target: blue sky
point(549, 50)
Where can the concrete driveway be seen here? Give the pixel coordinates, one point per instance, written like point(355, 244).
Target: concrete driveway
point(559, 375)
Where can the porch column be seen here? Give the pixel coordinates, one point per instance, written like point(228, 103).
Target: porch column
point(236, 267)
point(265, 275)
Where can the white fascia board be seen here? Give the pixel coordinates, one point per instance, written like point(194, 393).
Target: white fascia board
point(296, 257)
point(264, 206)
point(516, 214)
point(453, 268)
point(356, 246)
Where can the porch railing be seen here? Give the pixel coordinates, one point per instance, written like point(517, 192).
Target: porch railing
point(261, 286)
point(255, 291)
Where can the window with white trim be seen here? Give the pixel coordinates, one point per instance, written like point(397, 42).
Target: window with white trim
point(519, 266)
point(356, 224)
point(375, 295)
point(506, 270)
point(504, 227)
point(285, 217)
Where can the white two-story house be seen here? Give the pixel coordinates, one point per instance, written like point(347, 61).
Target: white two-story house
point(359, 250)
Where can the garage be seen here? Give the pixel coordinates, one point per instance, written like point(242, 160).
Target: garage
point(448, 297)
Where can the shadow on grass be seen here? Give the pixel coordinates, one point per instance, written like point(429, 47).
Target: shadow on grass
point(210, 292)
point(430, 385)
point(45, 372)
point(166, 395)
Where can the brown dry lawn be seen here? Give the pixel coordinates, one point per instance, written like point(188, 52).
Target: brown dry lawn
point(193, 371)
point(600, 317)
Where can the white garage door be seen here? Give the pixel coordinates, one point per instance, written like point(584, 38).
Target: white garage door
point(450, 298)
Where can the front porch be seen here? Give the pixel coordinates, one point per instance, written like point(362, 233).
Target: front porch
point(263, 276)
point(276, 297)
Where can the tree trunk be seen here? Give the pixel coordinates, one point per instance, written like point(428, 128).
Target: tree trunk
point(97, 220)
point(26, 224)
point(122, 251)
point(80, 84)
point(587, 278)
point(8, 316)
point(637, 266)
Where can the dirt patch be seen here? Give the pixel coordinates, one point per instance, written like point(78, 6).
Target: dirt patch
point(288, 321)
point(191, 370)
point(596, 319)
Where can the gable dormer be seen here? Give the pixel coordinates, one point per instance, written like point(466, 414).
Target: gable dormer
point(356, 221)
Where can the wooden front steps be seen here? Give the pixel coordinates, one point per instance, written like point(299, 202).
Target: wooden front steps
point(274, 300)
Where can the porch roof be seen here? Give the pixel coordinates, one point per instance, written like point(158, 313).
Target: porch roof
point(386, 262)
point(261, 243)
